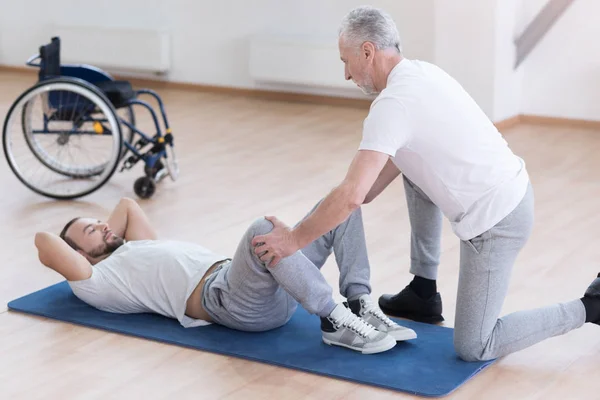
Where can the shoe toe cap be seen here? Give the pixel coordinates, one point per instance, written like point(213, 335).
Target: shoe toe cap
point(386, 299)
point(403, 334)
point(594, 289)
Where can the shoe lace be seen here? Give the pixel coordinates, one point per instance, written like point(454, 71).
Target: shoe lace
point(356, 324)
point(376, 311)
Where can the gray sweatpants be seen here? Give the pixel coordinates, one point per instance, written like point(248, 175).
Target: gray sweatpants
point(246, 295)
point(486, 262)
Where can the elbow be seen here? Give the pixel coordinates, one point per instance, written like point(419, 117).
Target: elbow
point(39, 239)
point(353, 197)
point(127, 200)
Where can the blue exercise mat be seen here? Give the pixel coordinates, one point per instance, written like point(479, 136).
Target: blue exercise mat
point(426, 366)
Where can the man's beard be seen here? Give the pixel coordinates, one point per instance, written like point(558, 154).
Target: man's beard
point(107, 248)
point(367, 88)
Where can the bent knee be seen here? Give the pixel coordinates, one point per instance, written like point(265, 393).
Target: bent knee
point(261, 226)
point(469, 353)
point(470, 349)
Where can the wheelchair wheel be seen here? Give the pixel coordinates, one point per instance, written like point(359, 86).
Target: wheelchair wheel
point(42, 155)
point(127, 114)
point(62, 138)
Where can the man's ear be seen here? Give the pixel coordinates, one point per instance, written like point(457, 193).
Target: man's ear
point(368, 50)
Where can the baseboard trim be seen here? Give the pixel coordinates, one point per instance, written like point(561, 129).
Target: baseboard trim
point(559, 121)
point(508, 123)
point(253, 93)
point(319, 99)
point(541, 120)
point(17, 68)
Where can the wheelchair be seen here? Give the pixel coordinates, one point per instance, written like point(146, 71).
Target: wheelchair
point(76, 125)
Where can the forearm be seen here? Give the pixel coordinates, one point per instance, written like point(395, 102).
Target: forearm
point(367, 168)
point(118, 219)
point(375, 191)
point(139, 226)
point(387, 176)
point(56, 254)
point(44, 243)
point(331, 212)
point(130, 222)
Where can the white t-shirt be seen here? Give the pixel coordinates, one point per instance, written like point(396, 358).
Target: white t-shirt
point(148, 276)
point(442, 141)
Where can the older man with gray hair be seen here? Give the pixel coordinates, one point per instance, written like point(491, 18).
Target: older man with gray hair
point(454, 163)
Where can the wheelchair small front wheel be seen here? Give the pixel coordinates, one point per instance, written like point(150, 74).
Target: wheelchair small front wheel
point(144, 187)
point(62, 138)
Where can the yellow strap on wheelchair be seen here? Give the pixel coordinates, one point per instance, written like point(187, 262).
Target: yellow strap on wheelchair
point(168, 130)
point(98, 128)
point(161, 140)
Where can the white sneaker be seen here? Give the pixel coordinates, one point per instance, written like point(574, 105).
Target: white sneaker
point(343, 328)
point(365, 308)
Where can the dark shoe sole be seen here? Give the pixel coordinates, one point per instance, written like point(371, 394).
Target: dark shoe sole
point(428, 319)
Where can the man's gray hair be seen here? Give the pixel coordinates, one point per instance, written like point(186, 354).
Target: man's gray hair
point(370, 24)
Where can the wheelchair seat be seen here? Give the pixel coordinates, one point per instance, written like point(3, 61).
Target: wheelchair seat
point(118, 92)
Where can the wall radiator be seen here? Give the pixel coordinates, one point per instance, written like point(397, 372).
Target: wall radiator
point(121, 49)
point(299, 61)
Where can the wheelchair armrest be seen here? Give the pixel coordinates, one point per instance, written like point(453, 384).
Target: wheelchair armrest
point(31, 59)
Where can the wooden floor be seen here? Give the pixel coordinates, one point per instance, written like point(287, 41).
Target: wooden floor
point(242, 158)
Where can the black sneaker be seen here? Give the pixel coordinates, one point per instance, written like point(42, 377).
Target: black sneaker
point(594, 289)
point(591, 301)
point(407, 304)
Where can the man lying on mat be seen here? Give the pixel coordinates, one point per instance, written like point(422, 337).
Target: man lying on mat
point(120, 266)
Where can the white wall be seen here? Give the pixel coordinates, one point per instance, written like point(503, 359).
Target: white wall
point(508, 82)
point(24, 24)
point(471, 39)
point(562, 74)
point(474, 41)
point(464, 36)
point(210, 40)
